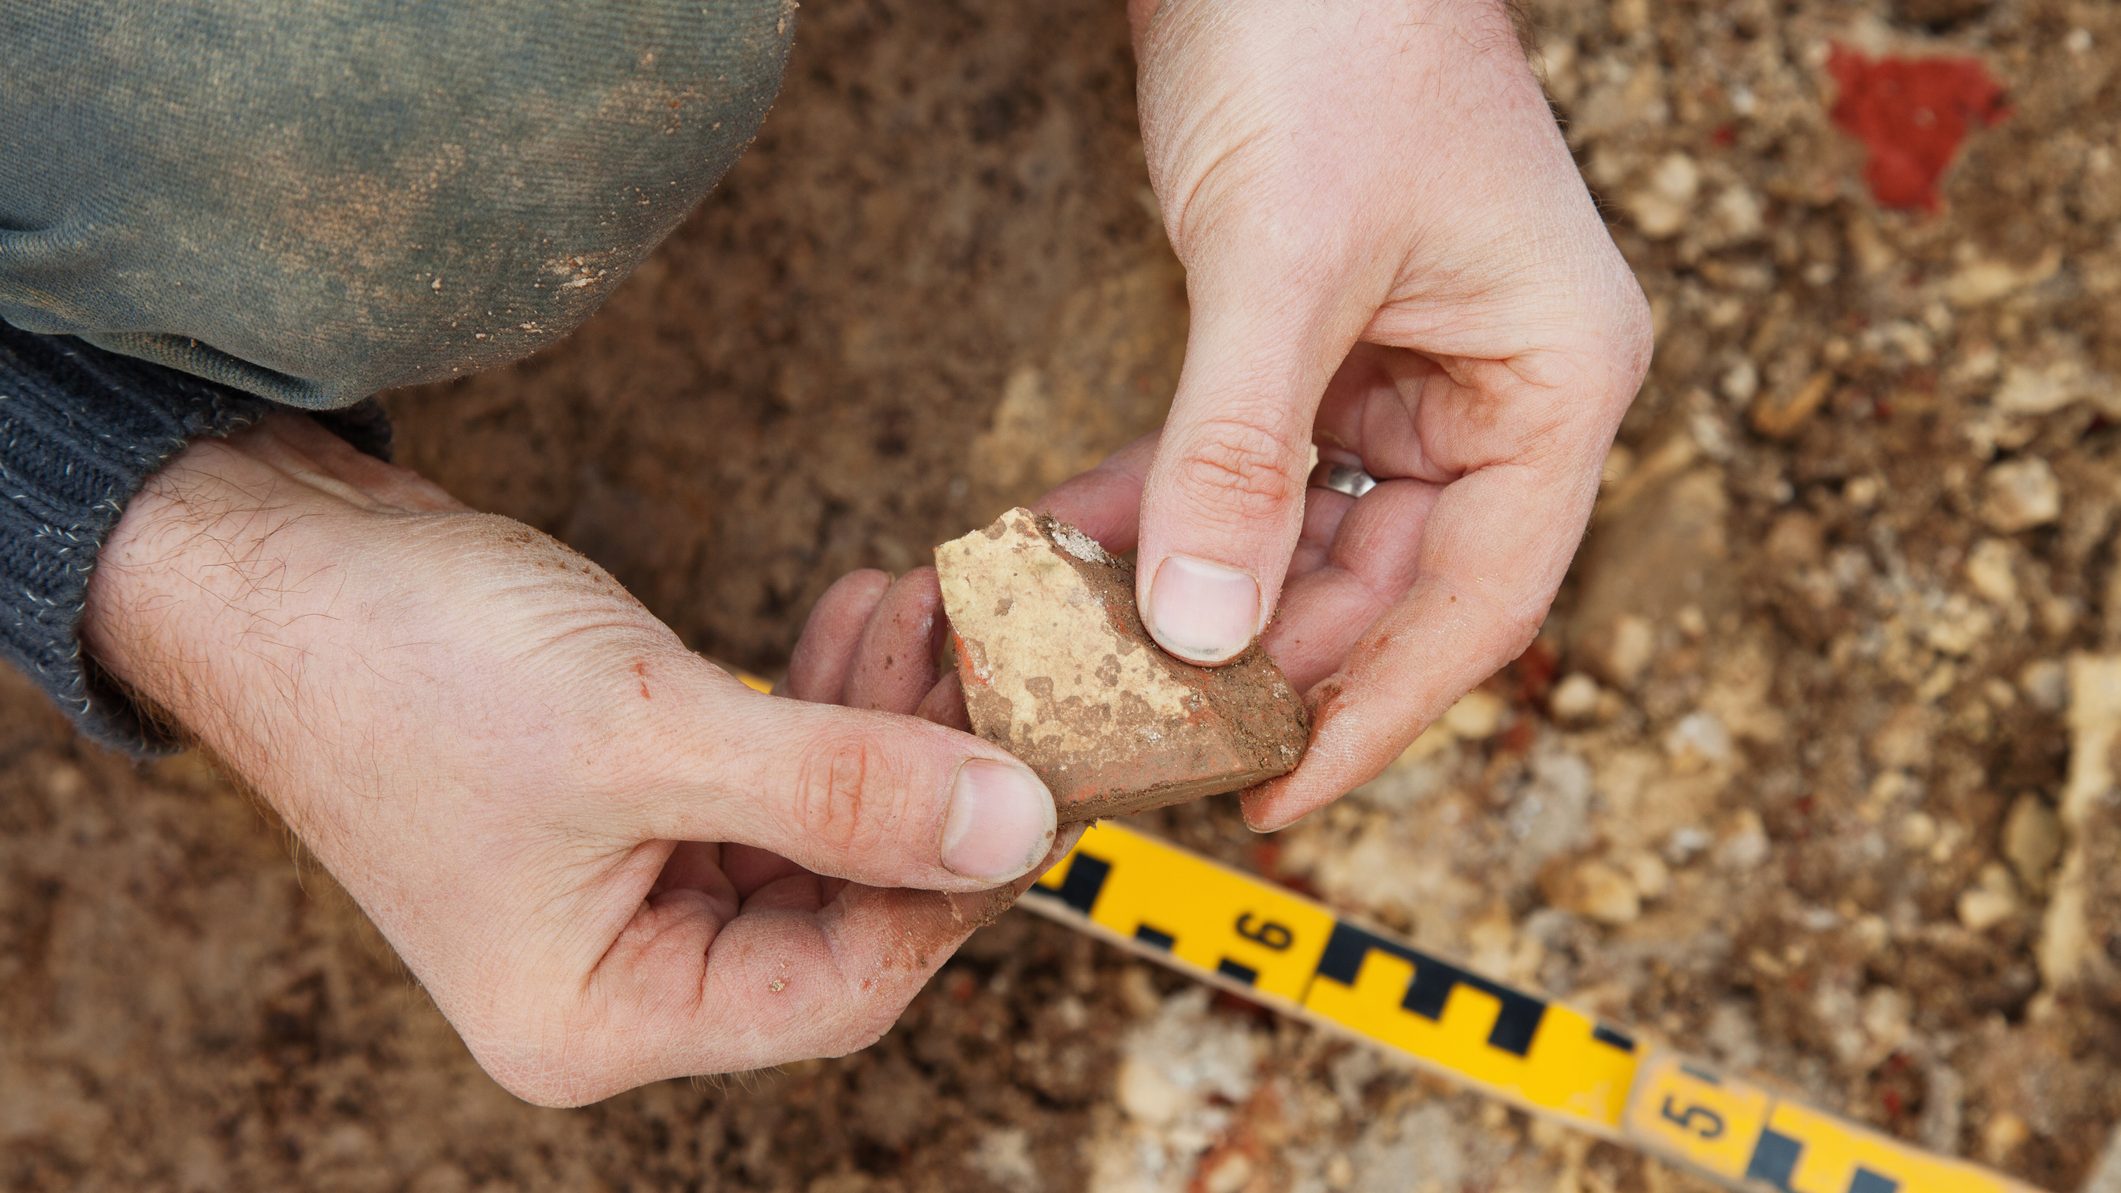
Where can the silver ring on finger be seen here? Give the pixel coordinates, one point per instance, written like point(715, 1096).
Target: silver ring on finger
point(1342, 478)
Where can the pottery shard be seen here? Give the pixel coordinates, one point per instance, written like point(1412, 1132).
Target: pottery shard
point(1059, 671)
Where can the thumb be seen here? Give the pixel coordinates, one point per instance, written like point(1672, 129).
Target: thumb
point(1223, 502)
point(877, 798)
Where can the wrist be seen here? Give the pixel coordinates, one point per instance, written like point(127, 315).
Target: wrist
point(210, 594)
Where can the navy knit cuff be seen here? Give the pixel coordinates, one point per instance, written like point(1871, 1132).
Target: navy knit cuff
point(81, 430)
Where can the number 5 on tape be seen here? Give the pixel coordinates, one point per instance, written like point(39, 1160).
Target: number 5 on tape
point(1741, 1133)
point(1697, 1116)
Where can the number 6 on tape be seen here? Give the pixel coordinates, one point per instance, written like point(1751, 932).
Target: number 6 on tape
point(1193, 911)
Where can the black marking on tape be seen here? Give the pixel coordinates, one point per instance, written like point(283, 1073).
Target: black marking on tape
point(1434, 979)
point(1085, 881)
point(1700, 1074)
point(1242, 973)
point(1150, 936)
point(1614, 1037)
point(1866, 1181)
point(1774, 1159)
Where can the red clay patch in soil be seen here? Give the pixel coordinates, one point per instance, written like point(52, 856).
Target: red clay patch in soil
point(1912, 114)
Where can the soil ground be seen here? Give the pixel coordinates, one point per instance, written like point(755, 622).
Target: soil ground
point(1780, 782)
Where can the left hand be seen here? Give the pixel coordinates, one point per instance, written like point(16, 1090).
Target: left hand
point(606, 860)
point(1389, 254)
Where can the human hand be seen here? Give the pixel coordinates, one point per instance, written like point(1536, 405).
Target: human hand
point(1389, 255)
point(608, 861)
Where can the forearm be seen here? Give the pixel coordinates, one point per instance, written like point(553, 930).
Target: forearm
point(223, 584)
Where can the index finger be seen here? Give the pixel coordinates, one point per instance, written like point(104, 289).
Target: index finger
point(1493, 553)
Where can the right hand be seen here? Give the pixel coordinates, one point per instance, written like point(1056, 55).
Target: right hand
point(1391, 259)
point(608, 861)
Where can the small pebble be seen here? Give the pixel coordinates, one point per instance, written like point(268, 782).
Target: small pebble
point(1990, 572)
point(2020, 494)
point(1476, 716)
point(1575, 699)
point(1595, 890)
point(2032, 839)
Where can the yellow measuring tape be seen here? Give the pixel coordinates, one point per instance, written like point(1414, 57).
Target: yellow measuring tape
point(1290, 953)
point(1277, 948)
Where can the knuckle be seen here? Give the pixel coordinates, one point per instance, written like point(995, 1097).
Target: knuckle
point(1626, 339)
point(534, 1064)
point(1517, 628)
point(1505, 624)
point(858, 1027)
point(1205, 198)
point(834, 791)
point(1636, 338)
point(539, 1088)
point(1312, 256)
point(1239, 466)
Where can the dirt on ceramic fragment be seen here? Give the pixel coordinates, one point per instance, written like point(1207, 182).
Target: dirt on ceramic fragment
point(1059, 670)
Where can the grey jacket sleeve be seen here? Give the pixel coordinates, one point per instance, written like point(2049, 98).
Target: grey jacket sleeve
point(80, 430)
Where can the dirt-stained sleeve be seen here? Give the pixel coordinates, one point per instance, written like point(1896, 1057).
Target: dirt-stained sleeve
point(313, 202)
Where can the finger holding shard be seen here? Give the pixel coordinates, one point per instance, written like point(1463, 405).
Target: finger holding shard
point(1058, 670)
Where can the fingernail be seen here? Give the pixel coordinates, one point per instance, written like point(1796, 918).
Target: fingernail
point(1000, 823)
point(1203, 612)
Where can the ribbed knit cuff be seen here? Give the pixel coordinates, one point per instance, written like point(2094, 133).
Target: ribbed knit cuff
point(81, 430)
